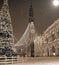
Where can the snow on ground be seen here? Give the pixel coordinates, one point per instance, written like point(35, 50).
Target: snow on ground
point(36, 64)
point(40, 61)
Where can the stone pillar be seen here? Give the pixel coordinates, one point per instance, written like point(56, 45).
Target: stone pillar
point(50, 52)
point(57, 52)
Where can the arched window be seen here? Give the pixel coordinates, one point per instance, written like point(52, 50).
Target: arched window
point(58, 34)
point(53, 37)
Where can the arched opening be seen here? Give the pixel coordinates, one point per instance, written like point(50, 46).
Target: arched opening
point(53, 51)
point(32, 49)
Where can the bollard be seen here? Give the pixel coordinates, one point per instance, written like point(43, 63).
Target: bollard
point(5, 60)
point(18, 59)
point(12, 59)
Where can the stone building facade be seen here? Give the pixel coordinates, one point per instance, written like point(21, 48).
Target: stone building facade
point(50, 40)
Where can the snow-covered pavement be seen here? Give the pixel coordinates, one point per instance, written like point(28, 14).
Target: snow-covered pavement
point(40, 61)
point(37, 64)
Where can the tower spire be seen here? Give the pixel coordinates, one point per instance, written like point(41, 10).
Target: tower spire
point(31, 19)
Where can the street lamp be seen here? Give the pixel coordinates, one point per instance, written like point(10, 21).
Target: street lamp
point(54, 54)
point(56, 2)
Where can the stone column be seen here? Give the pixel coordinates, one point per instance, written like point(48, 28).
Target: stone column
point(57, 51)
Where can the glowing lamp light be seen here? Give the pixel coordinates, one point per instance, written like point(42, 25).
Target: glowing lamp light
point(55, 2)
point(54, 54)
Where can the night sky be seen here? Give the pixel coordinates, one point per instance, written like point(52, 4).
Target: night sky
point(45, 13)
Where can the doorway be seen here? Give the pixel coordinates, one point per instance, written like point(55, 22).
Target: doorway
point(53, 51)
